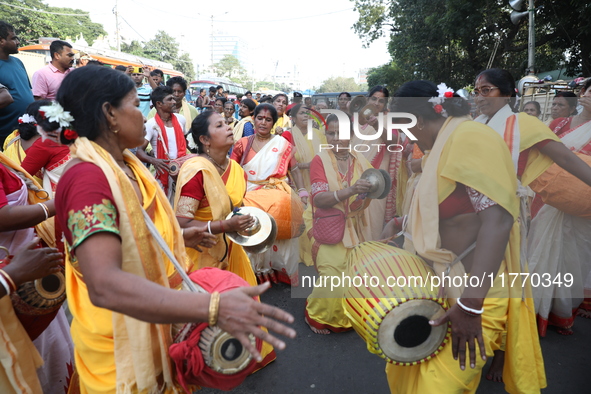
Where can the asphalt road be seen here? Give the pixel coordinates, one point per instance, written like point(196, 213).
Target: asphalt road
point(340, 363)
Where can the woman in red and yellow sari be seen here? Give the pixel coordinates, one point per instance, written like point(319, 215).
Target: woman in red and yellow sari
point(378, 154)
point(466, 198)
point(120, 286)
point(213, 175)
point(266, 159)
point(336, 184)
point(306, 149)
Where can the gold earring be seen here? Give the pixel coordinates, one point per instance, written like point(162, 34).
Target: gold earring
point(421, 126)
point(115, 131)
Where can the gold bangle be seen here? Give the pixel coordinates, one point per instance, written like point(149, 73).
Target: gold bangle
point(214, 308)
point(11, 282)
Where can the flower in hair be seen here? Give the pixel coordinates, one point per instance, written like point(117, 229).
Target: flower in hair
point(443, 92)
point(191, 141)
point(70, 134)
point(55, 113)
point(26, 118)
point(438, 108)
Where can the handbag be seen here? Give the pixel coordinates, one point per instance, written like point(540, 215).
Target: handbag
point(329, 226)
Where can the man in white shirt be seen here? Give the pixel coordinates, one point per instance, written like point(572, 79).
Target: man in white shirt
point(165, 132)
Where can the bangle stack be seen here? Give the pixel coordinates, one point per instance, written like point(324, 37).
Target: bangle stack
point(45, 209)
point(470, 311)
point(214, 308)
point(7, 282)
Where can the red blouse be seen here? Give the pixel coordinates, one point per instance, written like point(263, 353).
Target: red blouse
point(45, 154)
point(84, 204)
point(9, 183)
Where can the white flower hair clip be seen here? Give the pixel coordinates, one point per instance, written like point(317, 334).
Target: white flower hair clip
point(443, 92)
point(55, 113)
point(192, 145)
point(26, 118)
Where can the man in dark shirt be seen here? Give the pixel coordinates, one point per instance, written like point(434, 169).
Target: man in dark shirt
point(14, 76)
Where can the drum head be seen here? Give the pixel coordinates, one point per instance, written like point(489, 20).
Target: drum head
point(405, 335)
point(222, 352)
point(266, 227)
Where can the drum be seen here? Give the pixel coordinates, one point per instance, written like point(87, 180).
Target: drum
point(564, 191)
point(36, 303)
point(392, 308)
point(207, 356)
point(286, 209)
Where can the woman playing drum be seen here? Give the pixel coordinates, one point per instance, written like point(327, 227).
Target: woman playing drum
point(24, 205)
point(118, 281)
point(266, 159)
point(221, 179)
point(336, 184)
point(466, 195)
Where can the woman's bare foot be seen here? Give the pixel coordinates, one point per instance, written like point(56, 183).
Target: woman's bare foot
point(315, 330)
point(495, 372)
point(584, 313)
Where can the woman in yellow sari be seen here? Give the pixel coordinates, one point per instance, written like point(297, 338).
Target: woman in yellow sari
point(466, 198)
point(306, 149)
point(283, 122)
point(336, 184)
point(119, 285)
point(213, 175)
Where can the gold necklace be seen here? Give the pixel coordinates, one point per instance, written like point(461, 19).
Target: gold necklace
point(216, 164)
point(344, 158)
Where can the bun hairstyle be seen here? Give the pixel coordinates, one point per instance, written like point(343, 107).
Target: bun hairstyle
point(199, 127)
point(413, 97)
point(83, 93)
point(503, 80)
point(29, 130)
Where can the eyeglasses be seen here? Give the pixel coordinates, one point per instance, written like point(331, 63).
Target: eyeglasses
point(485, 91)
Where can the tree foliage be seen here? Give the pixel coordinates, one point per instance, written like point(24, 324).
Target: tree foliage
point(453, 40)
point(31, 25)
point(338, 84)
point(229, 67)
point(165, 48)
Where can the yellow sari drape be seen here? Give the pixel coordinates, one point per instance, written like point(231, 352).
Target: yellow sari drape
point(446, 165)
point(284, 122)
point(239, 128)
point(220, 197)
point(115, 352)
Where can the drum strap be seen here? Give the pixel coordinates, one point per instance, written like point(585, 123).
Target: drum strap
point(449, 267)
point(189, 284)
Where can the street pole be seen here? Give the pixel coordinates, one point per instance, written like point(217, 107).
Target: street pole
point(117, 26)
point(531, 45)
point(212, 42)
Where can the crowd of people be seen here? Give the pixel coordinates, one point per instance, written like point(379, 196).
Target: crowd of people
point(87, 170)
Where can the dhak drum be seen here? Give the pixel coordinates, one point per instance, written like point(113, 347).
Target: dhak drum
point(176, 164)
point(393, 320)
point(222, 353)
point(565, 192)
point(36, 303)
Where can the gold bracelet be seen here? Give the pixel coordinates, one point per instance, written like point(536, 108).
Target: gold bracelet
point(9, 279)
point(214, 308)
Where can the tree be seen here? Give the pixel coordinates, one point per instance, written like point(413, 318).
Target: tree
point(31, 25)
point(229, 66)
point(389, 75)
point(338, 84)
point(134, 48)
point(453, 40)
point(185, 65)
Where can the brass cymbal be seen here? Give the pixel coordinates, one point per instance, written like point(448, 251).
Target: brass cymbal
point(259, 237)
point(379, 182)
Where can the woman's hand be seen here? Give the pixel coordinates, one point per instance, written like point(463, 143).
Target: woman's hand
point(304, 200)
point(361, 186)
point(240, 315)
point(29, 263)
point(279, 130)
point(464, 328)
point(239, 223)
point(198, 236)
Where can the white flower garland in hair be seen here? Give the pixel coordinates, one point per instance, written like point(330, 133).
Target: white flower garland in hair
point(55, 113)
point(192, 145)
point(26, 118)
point(443, 92)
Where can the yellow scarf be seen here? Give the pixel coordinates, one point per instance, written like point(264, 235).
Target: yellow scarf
point(239, 128)
point(141, 349)
point(284, 122)
point(219, 203)
point(356, 231)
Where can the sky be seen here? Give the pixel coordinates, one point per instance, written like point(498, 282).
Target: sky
point(312, 38)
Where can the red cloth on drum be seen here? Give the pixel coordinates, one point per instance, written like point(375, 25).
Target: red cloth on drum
point(195, 189)
point(190, 366)
point(9, 183)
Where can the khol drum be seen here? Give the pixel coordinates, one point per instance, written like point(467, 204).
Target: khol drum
point(392, 307)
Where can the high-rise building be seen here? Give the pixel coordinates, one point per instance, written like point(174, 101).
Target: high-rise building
point(224, 44)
